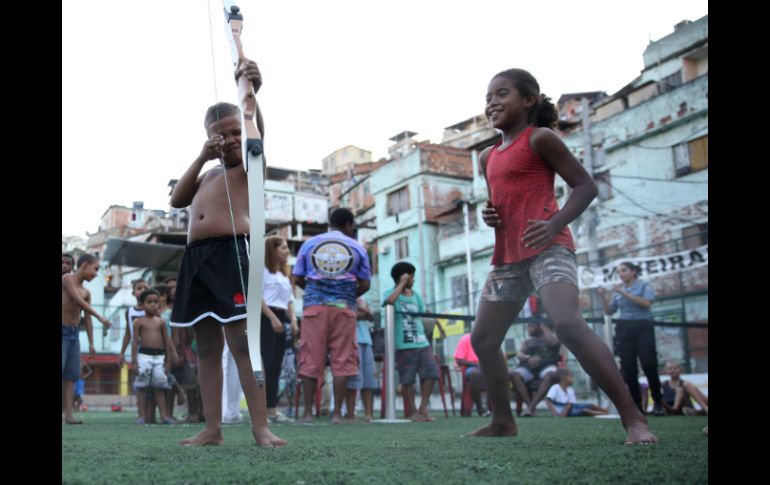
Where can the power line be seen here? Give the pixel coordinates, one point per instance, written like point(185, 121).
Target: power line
point(665, 216)
point(660, 180)
point(668, 147)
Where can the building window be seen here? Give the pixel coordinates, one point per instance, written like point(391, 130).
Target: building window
point(398, 201)
point(692, 156)
point(402, 247)
point(459, 291)
point(696, 236)
point(670, 82)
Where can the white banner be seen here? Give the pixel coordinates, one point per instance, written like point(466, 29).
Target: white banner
point(652, 267)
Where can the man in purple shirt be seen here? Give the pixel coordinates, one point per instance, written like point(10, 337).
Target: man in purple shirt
point(333, 269)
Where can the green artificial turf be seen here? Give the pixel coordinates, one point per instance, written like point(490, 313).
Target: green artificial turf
point(109, 448)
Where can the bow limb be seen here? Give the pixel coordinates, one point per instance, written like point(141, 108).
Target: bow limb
point(251, 149)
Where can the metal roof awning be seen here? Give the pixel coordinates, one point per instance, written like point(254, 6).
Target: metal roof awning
point(157, 256)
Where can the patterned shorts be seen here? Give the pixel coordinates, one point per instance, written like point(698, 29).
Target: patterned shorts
point(410, 362)
point(515, 282)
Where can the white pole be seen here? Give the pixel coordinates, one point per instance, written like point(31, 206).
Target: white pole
point(390, 367)
point(608, 340)
point(390, 362)
point(467, 224)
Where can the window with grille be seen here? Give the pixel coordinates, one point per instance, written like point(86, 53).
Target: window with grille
point(398, 201)
point(402, 247)
point(696, 236)
point(691, 156)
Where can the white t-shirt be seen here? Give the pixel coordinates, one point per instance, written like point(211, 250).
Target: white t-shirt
point(277, 290)
point(560, 398)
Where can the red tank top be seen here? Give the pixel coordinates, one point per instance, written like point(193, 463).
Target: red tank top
point(521, 188)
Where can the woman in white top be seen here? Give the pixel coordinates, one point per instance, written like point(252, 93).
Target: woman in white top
point(277, 310)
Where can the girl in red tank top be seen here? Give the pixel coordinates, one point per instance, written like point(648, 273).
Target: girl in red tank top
point(534, 250)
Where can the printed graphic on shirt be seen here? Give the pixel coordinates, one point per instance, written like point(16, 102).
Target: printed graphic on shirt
point(332, 259)
point(409, 330)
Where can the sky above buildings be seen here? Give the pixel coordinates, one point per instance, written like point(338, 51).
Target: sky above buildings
point(138, 76)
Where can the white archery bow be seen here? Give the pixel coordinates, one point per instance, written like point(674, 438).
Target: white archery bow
point(251, 150)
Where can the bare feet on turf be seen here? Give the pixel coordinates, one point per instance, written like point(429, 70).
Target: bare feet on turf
point(422, 418)
point(72, 421)
point(204, 438)
point(307, 420)
point(639, 434)
point(266, 439)
point(497, 429)
point(336, 419)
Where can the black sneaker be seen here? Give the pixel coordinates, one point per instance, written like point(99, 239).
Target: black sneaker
point(657, 410)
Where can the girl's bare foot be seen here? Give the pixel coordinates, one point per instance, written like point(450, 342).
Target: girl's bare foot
point(204, 438)
point(497, 429)
point(336, 419)
point(639, 434)
point(266, 439)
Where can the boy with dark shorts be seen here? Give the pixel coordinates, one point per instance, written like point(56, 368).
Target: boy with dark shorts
point(209, 292)
point(413, 352)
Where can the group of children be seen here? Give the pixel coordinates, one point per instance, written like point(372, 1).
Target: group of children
point(534, 251)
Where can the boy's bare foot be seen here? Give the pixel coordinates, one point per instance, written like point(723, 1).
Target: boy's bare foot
point(336, 419)
point(72, 421)
point(367, 419)
point(204, 438)
point(422, 418)
point(526, 414)
point(351, 419)
point(639, 434)
point(497, 429)
point(307, 420)
point(266, 439)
